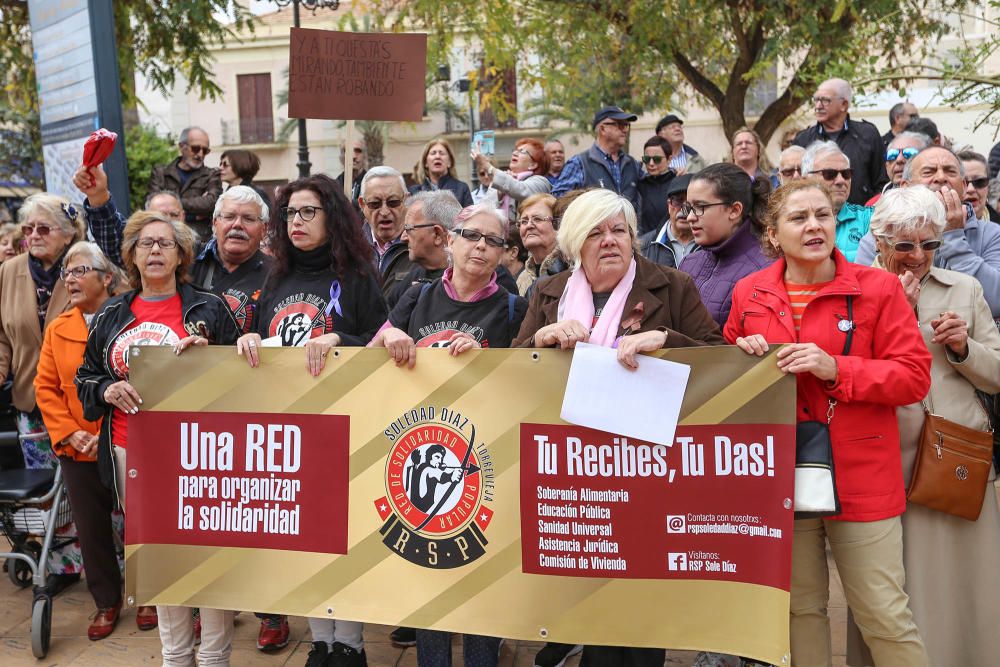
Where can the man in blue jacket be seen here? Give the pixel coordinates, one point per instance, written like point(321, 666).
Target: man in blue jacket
point(605, 164)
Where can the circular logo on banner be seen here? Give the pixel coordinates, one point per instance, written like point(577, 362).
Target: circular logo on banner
point(437, 481)
point(147, 333)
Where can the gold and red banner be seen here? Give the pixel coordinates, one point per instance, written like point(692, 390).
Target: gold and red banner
point(452, 496)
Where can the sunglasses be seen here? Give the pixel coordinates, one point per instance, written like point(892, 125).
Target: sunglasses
point(77, 272)
point(42, 230)
point(893, 153)
point(200, 150)
point(620, 124)
point(655, 159)
point(910, 246)
point(978, 183)
point(831, 174)
point(474, 236)
point(376, 204)
point(791, 171)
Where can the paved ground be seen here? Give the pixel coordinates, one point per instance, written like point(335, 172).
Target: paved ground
point(129, 646)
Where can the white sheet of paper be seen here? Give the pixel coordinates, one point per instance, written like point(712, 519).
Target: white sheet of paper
point(275, 341)
point(603, 394)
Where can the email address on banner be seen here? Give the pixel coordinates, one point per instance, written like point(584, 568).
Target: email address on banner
point(733, 529)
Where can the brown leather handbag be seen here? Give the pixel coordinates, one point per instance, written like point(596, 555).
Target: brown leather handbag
point(952, 468)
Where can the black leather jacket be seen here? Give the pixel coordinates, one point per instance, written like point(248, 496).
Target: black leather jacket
point(203, 314)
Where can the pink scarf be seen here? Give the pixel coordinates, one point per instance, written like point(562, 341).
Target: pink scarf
point(577, 303)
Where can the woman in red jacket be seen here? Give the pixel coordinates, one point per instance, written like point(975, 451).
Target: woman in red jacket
point(810, 299)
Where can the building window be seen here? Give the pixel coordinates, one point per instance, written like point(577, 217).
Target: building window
point(256, 114)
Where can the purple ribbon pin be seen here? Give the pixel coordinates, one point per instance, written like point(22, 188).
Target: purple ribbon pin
point(334, 304)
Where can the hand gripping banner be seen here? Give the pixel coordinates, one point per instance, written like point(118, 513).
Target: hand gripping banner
point(451, 496)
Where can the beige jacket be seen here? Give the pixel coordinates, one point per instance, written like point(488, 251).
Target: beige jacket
point(20, 335)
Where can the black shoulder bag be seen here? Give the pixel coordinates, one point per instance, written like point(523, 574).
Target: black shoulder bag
point(815, 480)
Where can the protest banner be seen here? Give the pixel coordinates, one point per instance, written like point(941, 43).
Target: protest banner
point(451, 496)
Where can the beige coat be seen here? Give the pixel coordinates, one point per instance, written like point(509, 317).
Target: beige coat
point(20, 335)
point(952, 565)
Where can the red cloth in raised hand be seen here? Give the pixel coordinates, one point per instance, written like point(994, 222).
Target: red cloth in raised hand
point(98, 147)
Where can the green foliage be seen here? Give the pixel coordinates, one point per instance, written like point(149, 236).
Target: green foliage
point(145, 149)
point(650, 56)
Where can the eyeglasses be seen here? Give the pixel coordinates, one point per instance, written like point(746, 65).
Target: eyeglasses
point(230, 218)
point(824, 101)
point(910, 246)
point(148, 242)
point(677, 201)
point(202, 150)
point(77, 272)
point(409, 228)
point(978, 183)
point(699, 209)
point(523, 151)
point(42, 230)
point(224, 163)
point(655, 159)
point(620, 124)
point(376, 204)
point(893, 154)
point(474, 236)
point(831, 174)
point(306, 213)
point(535, 220)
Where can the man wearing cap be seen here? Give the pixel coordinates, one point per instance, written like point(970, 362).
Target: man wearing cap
point(605, 164)
point(683, 158)
point(674, 241)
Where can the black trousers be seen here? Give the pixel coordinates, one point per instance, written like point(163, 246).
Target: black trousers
point(93, 504)
point(619, 656)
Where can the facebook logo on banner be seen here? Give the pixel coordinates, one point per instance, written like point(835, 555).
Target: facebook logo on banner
point(677, 562)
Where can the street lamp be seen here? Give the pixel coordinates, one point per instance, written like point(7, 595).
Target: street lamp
point(312, 5)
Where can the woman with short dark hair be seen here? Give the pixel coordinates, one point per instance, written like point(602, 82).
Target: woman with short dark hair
point(654, 183)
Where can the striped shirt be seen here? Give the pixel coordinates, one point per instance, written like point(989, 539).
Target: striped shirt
point(800, 296)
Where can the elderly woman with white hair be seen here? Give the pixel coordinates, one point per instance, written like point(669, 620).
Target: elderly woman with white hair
point(613, 296)
point(950, 562)
point(32, 295)
point(90, 279)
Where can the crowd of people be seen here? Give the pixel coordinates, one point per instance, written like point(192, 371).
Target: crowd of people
point(874, 260)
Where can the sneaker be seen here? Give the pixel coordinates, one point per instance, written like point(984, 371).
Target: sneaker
point(319, 655)
point(403, 637)
point(554, 654)
point(273, 634)
point(342, 655)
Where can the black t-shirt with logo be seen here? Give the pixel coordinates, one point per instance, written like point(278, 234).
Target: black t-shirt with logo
point(431, 317)
point(299, 307)
point(239, 289)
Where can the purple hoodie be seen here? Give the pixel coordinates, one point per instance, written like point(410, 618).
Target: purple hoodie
point(716, 268)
